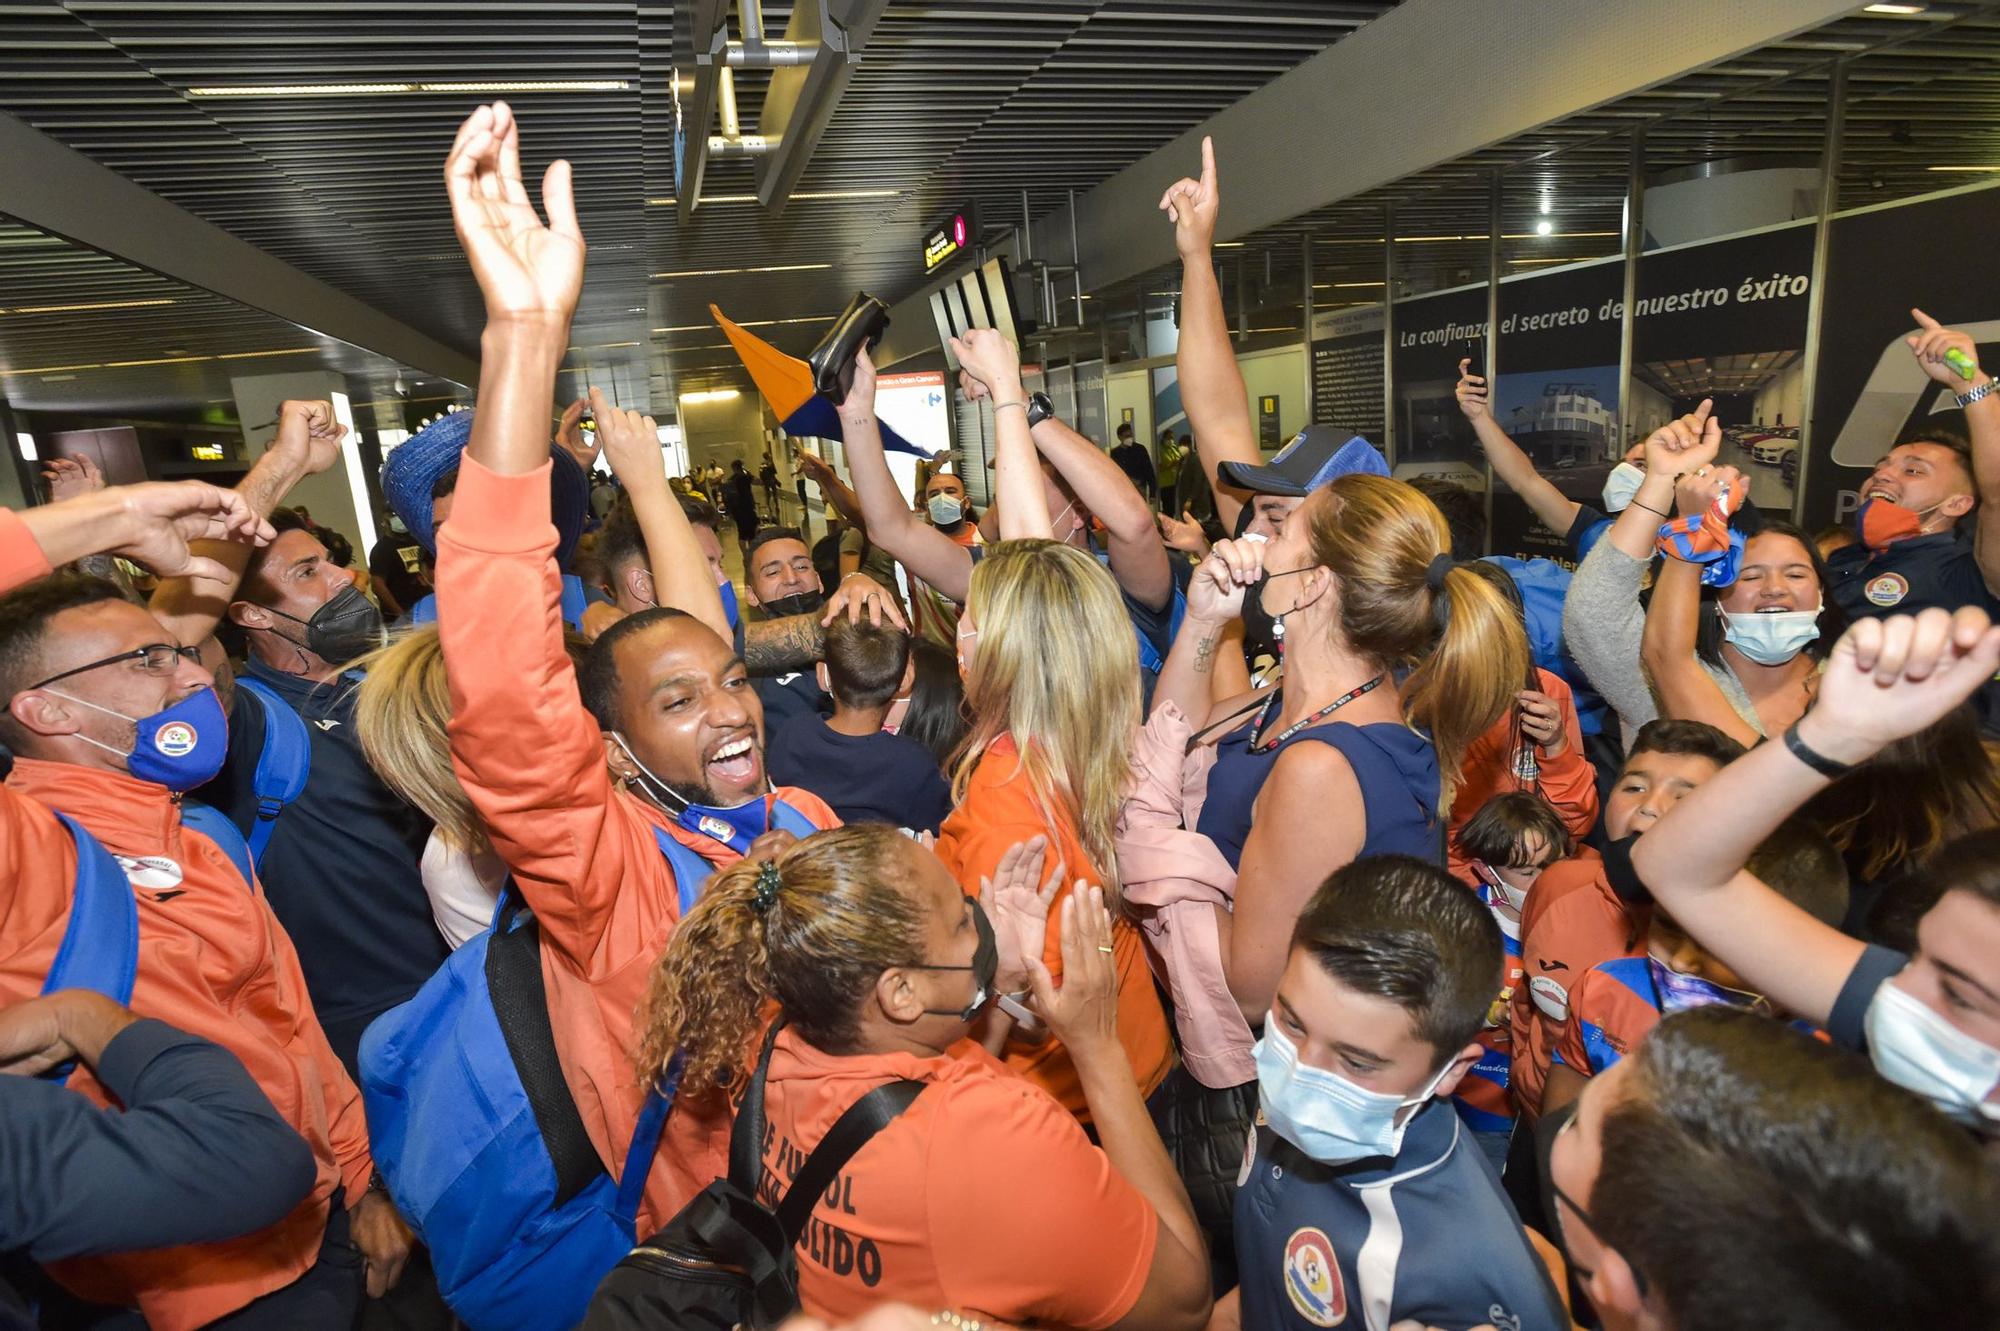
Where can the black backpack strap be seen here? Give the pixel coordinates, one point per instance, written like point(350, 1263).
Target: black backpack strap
point(863, 1119)
point(746, 1135)
point(521, 1005)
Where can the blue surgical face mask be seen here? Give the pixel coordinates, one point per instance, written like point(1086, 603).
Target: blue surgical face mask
point(1622, 485)
point(736, 826)
point(1773, 638)
point(1920, 1051)
point(1680, 991)
point(179, 747)
point(946, 510)
point(1322, 1113)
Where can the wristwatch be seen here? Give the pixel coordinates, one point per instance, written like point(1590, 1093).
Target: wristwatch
point(1039, 409)
point(1964, 400)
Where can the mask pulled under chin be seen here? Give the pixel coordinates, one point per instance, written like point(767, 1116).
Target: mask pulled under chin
point(798, 603)
point(736, 826)
point(1880, 523)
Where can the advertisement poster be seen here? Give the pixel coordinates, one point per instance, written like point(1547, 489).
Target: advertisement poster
point(1557, 391)
point(1433, 440)
point(1726, 320)
point(1347, 370)
point(1870, 391)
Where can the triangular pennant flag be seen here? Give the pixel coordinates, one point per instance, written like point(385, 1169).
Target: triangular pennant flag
point(786, 383)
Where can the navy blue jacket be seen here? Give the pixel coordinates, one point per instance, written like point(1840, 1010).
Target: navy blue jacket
point(197, 1155)
point(343, 869)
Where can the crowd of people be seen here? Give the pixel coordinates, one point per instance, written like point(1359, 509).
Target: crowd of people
point(1072, 914)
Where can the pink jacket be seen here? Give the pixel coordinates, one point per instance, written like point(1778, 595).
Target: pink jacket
point(1173, 879)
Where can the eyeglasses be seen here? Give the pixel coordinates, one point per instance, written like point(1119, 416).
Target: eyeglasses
point(155, 658)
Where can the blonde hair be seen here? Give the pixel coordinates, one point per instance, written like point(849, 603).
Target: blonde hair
point(1056, 667)
point(401, 709)
point(1463, 644)
point(835, 923)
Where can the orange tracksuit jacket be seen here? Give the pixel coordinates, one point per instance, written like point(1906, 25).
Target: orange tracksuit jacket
point(582, 850)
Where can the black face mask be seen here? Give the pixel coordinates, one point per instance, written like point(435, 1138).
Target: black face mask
point(1618, 872)
point(985, 966)
point(346, 627)
point(1554, 1202)
point(798, 603)
point(1260, 637)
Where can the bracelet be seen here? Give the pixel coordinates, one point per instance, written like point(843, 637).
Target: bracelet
point(1984, 390)
point(998, 405)
point(1811, 757)
point(1650, 509)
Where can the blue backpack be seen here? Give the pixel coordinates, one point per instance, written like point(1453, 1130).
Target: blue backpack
point(100, 944)
point(283, 765)
point(478, 1138)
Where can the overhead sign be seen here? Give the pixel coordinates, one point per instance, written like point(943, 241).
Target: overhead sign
point(947, 239)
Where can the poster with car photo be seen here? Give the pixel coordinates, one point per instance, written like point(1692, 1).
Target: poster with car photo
point(1928, 254)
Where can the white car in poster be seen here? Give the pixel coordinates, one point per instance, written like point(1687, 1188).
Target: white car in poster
point(1462, 474)
point(1772, 448)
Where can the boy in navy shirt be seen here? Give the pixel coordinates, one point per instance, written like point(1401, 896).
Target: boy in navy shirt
point(866, 774)
point(1364, 1200)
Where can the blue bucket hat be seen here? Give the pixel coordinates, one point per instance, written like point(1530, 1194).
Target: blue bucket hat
point(1316, 455)
point(415, 467)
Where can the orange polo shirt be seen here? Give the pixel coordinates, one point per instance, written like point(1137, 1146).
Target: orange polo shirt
point(983, 1196)
point(999, 809)
point(1573, 921)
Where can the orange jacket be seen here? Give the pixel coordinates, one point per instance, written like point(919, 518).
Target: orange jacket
point(1567, 782)
point(214, 962)
point(582, 850)
point(1000, 809)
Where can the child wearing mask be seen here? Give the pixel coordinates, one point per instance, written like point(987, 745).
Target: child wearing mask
point(1617, 1002)
point(1505, 845)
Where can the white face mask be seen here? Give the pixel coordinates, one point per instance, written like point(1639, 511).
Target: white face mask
point(1621, 485)
point(1920, 1051)
point(1771, 639)
point(1325, 1115)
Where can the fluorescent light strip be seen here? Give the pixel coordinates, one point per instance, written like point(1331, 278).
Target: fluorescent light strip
point(1962, 168)
point(163, 360)
point(95, 305)
point(385, 89)
point(751, 323)
point(809, 196)
point(1509, 235)
point(1899, 11)
point(713, 395)
point(732, 272)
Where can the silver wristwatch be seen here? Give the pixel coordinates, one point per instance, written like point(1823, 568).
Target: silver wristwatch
point(1986, 389)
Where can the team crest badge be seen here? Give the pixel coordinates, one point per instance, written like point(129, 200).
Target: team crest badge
point(710, 825)
point(176, 739)
point(1312, 1279)
point(1887, 590)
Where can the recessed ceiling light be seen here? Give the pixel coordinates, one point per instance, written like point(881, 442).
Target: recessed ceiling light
point(385, 89)
point(1544, 227)
point(731, 272)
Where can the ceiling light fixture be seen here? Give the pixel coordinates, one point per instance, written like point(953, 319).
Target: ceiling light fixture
point(810, 196)
point(388, 89)
point(732, 272)
point(752, 323)
point(94, 305)
point(1545, 227)
point(712, 395)
point(1962, 168)
point(1901, 11)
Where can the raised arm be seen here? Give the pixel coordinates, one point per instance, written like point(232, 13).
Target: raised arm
point(307, 442)
point(845, 502)
point(681, 576)
point(1138, 556)
point(154, 524)
point(1556, 510)
point(1887, 678)
point(991, 368)
point(921, 548)
point(1686, 691)
point(1930, 343)
point(1215, 600)
point(1679, 446)
point(1217, 404)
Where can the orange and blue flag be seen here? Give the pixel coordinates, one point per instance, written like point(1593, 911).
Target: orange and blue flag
point(787, 384)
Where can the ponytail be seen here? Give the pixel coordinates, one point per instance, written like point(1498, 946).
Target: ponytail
point(1471, 677)
point(811, 930)
point(710, 986)
point(1403, 605)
